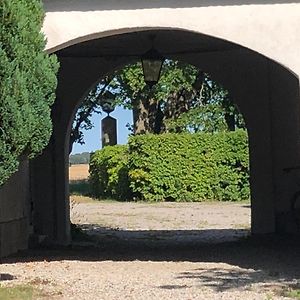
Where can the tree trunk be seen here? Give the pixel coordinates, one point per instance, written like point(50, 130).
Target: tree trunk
point(182, 101)
point(145, 116)
point(148, 116)
point(230, 121)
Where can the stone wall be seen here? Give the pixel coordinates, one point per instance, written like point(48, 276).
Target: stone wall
point(14, 212)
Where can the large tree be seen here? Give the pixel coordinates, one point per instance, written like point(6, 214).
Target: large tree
point(185, 99)
point(27, 85)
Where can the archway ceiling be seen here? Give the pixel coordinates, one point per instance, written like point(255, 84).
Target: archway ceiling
point(167, 42)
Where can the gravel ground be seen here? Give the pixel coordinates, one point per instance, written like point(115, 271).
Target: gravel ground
point(160, 251)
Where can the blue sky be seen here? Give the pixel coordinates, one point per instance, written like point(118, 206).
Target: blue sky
point(93, 137)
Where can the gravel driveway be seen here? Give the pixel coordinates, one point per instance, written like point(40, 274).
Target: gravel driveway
point(160, 251)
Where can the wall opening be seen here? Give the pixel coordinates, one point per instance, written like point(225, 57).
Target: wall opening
point(269, 110)
point(186, 103)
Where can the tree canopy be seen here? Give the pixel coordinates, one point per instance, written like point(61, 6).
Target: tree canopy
point(27, 85)
point(184, 100)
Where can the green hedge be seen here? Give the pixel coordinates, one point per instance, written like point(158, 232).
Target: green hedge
point(109, 173)
point(175, 167)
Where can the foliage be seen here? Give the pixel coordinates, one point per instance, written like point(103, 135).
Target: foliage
point(80, 188)
point(109, 173)
point(175, 76)
point(28, 82)
point(212, 112)
point(293, 293)
point(183, 90)
point(189, 167)
point(175, 167)
point(79, 158)
point(184, 100)
point(206, 118)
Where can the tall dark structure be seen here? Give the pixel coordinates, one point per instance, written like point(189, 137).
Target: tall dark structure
point(108, 124)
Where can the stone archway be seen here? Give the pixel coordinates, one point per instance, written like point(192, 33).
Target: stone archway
point(266, 93)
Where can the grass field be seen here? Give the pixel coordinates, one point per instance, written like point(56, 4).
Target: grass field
point(78, 172)
point(78, 178)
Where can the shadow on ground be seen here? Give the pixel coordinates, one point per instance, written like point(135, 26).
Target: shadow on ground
point(221, 280)
point(104, 235)
point(174, 245)
point(248, 260)
point(6, 277)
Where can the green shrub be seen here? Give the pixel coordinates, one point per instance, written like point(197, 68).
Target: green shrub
point(80, 187)
point(190, 167)
point(27, 85)
point(109, 173)
point(174, 167)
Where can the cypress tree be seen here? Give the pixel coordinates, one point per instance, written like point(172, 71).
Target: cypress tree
point(27, 84)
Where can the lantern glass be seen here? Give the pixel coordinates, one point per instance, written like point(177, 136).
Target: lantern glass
point(152, 64)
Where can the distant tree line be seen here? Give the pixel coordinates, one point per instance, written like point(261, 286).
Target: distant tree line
point(79, 158)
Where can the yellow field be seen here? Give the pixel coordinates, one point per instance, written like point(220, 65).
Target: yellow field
point(78, 172)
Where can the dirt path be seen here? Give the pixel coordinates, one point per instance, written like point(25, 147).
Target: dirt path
point(160, 251)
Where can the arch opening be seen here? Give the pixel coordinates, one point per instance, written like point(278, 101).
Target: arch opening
point(252, 80)
point(207, 104)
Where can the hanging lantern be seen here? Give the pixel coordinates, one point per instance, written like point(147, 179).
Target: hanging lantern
point(107, 102)
point(152, 63)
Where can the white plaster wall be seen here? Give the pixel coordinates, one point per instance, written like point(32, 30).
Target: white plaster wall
point(270, 29)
